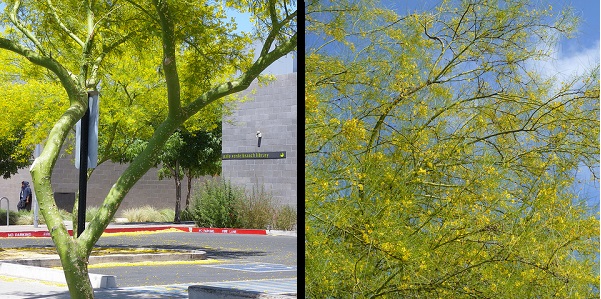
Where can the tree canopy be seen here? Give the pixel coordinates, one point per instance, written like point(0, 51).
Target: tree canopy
point(440, 161)
point(185, 154)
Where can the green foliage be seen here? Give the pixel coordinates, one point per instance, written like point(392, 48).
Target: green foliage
point(215, 204)
point(147, 214)
point(218, 203)
point(26, 218)
point(285, 218)
point(201, 153)
point(256, 210)
point(187, 214)
point(13, 217)
point(12, 157)
point(440, 163)
point(22, 126)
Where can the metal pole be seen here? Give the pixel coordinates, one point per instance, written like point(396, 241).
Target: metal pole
point(83, 172)
point(34, 203)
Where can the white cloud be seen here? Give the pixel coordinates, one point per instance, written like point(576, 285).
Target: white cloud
point(569, 62)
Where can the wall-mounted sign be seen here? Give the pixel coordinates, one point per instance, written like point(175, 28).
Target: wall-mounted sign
point(253, 155)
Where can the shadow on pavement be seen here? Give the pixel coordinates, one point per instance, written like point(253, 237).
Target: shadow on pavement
point(30, 295)
point(211, 252)
point(104, 294)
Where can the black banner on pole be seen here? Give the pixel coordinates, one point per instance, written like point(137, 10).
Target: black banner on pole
point(83, 173)
point(86, 154)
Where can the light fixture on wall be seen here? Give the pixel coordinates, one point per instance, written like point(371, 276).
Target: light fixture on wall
point(258, 138)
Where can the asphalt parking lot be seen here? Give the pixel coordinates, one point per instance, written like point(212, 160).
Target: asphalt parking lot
point(234, 259)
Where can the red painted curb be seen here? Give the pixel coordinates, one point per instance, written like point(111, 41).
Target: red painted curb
point(239, 231)
point(229, 231)
point(24, 234)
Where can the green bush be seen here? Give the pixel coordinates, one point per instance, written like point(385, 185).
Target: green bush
point(147, 214)
point(187, 214)
point(26, 218)
point(285, 218)
point(214, 204)
point(91, 212)
point(257, 210)
point(13, 217)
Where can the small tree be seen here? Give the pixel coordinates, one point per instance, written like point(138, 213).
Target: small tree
point(185, 153)
point(201, 156)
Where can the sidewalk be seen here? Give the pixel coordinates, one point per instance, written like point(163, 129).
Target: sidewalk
point(26, 288)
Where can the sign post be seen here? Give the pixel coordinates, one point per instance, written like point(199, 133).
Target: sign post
point(34, 200)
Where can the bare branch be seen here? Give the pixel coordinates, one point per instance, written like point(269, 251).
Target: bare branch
point(13, 17)
point(62, 25)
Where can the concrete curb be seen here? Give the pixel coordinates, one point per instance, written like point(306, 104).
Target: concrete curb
point(25, 232)
point(281, 233)
point(177, 255)
point(211, 292)
point(99, 281)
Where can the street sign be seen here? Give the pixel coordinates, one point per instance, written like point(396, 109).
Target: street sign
point(92, 132)
point(253, 155)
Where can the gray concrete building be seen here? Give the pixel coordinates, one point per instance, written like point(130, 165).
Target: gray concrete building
point(65, 181)
point(272, 112)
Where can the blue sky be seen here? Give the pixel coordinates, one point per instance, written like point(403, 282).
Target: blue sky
point(571, 56)
point(284, 65)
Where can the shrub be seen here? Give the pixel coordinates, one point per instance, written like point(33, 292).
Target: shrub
point(146, 214)
point(13, 216)
point(91, 212)
point(26, 218)
point(285, 218)
point(168, 215)
point(214, 204)
point(187, 214)
point(257, 210)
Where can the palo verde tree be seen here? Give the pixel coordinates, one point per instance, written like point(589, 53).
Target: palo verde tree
point(439, 162)
point(74, 41)
point(19, 114)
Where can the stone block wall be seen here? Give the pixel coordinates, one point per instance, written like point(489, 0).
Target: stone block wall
point(65, 179)
point(272, 109)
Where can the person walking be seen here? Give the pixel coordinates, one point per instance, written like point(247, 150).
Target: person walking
point(25, 197)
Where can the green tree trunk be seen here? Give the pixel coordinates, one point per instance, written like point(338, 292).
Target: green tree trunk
point(73, 252)
point(75, 267)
